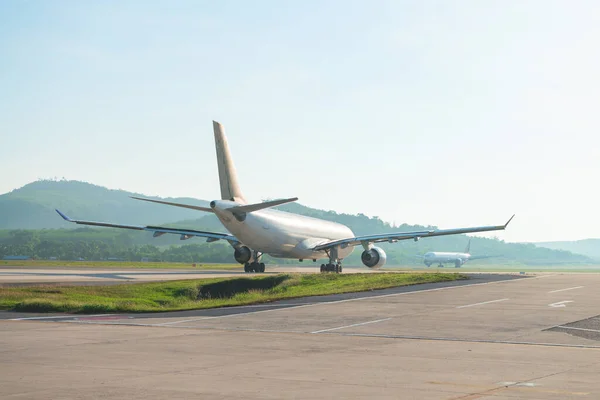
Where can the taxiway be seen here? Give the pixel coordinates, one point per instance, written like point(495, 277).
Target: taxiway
point(488, 339)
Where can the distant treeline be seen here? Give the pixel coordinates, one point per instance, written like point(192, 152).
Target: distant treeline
point(41, 245)
point(102, 244)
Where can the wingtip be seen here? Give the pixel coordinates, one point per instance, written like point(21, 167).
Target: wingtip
point(63, 216)
point(508, 222)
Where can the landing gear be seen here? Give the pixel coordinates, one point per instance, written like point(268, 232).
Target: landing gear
point(457, 264)
point(441, 266)
point(428, 265)
point(337, 268)
point(335, 264)
point(254, 267)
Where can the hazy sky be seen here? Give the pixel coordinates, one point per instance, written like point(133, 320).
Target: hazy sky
point(450, 113)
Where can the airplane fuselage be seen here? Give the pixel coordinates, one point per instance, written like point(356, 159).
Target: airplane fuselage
point(439, 257)
point(282, 234)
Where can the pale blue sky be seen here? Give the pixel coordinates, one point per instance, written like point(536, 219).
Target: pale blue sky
point(450, 113)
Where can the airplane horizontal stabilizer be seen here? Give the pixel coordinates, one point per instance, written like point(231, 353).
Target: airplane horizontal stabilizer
point(260, 206)
point(198, 208)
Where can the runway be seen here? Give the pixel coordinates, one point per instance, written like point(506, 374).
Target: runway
point(26, 276)
point(485, 339)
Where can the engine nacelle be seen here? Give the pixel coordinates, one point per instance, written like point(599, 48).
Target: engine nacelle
point(242, 254)
point(373, 258)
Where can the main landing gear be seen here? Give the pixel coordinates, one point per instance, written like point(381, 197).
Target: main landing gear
point(337, 268)
point(255, 265)
point(335, 264)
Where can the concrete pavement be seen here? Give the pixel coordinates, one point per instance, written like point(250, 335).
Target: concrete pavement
point(492, 340)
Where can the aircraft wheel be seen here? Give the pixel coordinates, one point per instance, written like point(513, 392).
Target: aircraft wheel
point(246, 268)
point(322, 268)
point(262, 267)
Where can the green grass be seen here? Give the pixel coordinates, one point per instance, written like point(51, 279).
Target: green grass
point(117, 264)
point(200, 294)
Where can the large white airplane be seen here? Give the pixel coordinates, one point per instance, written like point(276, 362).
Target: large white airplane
point(256, 229)
point(458, 259)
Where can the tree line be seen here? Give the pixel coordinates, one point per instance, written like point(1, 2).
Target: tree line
point(104, 244)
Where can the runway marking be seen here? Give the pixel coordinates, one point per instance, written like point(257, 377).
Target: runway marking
point(560, 303)
point(563, 290)
point(186, 320)
point(354, 299)
point(353, 325)
point(368, 335)
point(57, 316)
point(577, 329)
point(484, 302)
point(465, 340)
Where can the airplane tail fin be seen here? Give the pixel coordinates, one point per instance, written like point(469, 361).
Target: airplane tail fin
point(230, 188)
point(468, 248)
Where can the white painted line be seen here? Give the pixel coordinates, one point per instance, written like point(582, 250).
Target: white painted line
point(465, 340)
point(185, 320)
point(59, 316)
point(484, 302)
point(560, 303)
point(356, 299)
point(562, 290)
point(578, 329)
point(353, 325)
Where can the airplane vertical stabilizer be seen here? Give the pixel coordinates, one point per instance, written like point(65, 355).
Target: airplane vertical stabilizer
point(468, 248)
point(230, 188)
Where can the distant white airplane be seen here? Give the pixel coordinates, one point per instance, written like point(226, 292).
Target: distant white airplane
point(256, 229)
point(458, 259)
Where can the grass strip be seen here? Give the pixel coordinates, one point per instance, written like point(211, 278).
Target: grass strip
point(201, 294)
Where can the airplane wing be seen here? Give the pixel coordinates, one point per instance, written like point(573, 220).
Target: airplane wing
point(159, 230)
point(394, 237)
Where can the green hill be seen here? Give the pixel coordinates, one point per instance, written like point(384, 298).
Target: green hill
point(587, 247)
point(32, 207)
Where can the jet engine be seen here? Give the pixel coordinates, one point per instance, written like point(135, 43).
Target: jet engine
point(242, 254)
point(373, 258)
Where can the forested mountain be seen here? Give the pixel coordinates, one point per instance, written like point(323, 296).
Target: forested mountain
point(33, 207)
point(588, 247)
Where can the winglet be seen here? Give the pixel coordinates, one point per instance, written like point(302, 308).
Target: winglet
point(508, 222)
point(64, 216)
